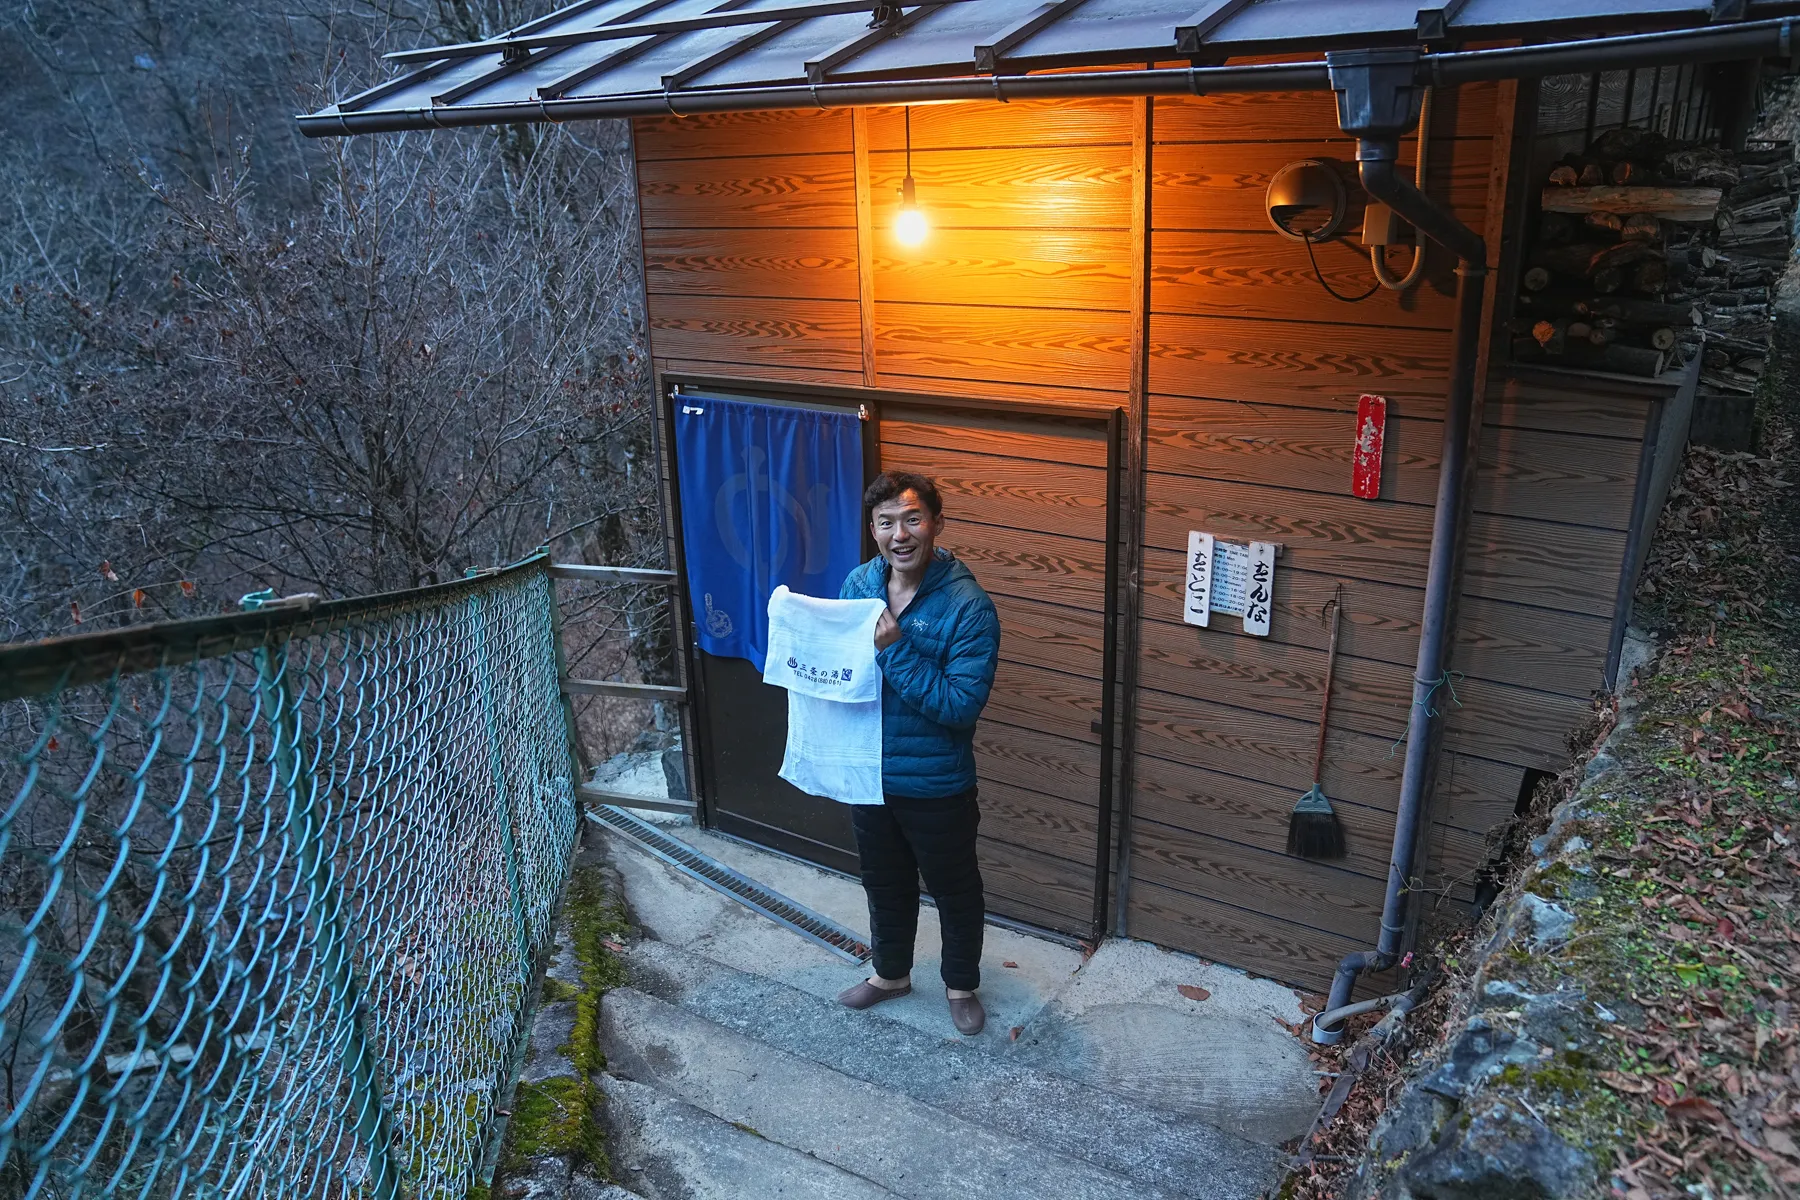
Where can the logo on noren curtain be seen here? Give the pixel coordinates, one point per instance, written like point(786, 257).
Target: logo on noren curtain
point(742, 495)
point(718, 621)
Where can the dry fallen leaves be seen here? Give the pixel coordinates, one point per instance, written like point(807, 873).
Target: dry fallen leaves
point(1192, 992)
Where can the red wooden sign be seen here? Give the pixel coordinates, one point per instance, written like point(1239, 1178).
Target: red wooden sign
point(1371, 431)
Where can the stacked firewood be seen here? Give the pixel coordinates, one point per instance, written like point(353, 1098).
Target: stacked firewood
point(1647, 253)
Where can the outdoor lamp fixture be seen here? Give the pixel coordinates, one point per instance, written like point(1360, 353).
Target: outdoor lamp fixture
point(1307, 201)
point(910, 227)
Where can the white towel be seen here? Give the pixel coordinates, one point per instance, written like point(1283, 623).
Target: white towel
point(823, 653)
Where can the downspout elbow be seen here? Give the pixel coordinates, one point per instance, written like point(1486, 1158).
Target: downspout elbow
point(1381, 178)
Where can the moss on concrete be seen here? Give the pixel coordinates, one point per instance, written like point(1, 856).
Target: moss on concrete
point(560, 1117)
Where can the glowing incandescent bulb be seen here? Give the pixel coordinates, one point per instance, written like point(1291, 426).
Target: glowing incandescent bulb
point(910, 227)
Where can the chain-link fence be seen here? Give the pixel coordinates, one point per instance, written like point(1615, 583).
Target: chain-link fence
point(272, 887)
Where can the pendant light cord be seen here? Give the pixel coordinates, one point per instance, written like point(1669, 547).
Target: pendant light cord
point(908, 111)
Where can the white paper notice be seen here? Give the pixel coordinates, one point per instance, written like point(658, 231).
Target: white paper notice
point(1196, 607)
point(1230, 578)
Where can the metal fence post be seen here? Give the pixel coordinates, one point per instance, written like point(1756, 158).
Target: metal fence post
point(508, 814)
point(305, 826)
point(579, 766)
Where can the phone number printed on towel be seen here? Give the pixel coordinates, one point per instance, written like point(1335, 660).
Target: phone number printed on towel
point(1231, 578)
point(822, 675)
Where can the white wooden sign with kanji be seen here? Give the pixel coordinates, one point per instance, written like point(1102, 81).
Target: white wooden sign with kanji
point(1232, 578)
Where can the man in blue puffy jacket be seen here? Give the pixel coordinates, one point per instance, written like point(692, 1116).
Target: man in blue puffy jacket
point(938, 644)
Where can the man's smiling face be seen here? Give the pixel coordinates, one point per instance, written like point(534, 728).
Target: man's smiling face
point(905, 531)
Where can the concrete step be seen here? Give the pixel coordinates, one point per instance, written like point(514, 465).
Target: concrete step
point(590, 1189)
point(670, 1150)
point(1168, 1152)
point(913, 1149)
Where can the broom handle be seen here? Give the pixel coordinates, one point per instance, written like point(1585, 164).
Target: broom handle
point(1337, 603)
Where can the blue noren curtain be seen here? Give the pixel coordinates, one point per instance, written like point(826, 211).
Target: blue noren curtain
point(770, 494)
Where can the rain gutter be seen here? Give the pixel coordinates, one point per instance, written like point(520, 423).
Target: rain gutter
point(1749, 39)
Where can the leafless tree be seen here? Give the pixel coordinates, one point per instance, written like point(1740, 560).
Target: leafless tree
point(431, 360)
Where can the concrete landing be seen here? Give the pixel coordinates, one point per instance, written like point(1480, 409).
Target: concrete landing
point(665, 1149)
point(1122, 1024)
point(914, 1150)
point(1159, 1149)
point(1101, 1068)
point(674, 908)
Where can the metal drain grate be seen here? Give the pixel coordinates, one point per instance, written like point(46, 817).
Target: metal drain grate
point(752, 895)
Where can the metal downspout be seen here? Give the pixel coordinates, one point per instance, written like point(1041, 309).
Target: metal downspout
point(1378, 100)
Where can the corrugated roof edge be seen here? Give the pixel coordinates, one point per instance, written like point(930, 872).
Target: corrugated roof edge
point(1715, 43)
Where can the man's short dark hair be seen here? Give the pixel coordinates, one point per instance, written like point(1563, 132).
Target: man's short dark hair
point(891, 485)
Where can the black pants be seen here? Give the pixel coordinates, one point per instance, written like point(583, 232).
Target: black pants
point(908, 837)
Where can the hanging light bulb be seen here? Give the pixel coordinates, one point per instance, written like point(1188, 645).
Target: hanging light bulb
point(911, 226)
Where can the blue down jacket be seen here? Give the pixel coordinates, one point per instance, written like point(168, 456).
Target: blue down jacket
point(935, 679)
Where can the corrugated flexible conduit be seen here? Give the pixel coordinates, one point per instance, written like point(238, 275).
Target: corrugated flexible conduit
point(1376, 253)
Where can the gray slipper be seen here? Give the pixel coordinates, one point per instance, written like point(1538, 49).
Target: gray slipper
point(867, 995)
point(967, 1015)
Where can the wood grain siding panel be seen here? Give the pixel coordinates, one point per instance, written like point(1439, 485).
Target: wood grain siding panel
point(1051, 124)
point(1296, 362)
point(1254, 813)
point(1278, 752)
point(1029, 564)
point(1574, 406)
point(1524, 472)
point(1567, 567)
point(1306, 448)
point(1036, 268)
point(1004, 389)
point(1078, 187)
point(1050, 636)
point(1050, 825)
point(1290, 889)
point(1275, 750)
point(1221, 188)
point(1557, 476)
point(1043, 890)
point(1035, 760)
point(735, 135)
point(766, 372)
point(1513, 724)
point(1075, 444)
point(812, 335)
point(1508, 643)
point(1047, 347)
point(769, 192)
point(817, 264)
point(1263, 276)
point(1294, 954)
point(1066, 705)
point(1522, 561)
point(994, 490)
point(1483, 793)
point(1305, 116)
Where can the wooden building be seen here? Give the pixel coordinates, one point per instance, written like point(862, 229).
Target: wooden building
point(1102, 346)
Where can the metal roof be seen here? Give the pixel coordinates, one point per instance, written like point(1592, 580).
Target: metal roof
point(629, 57)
